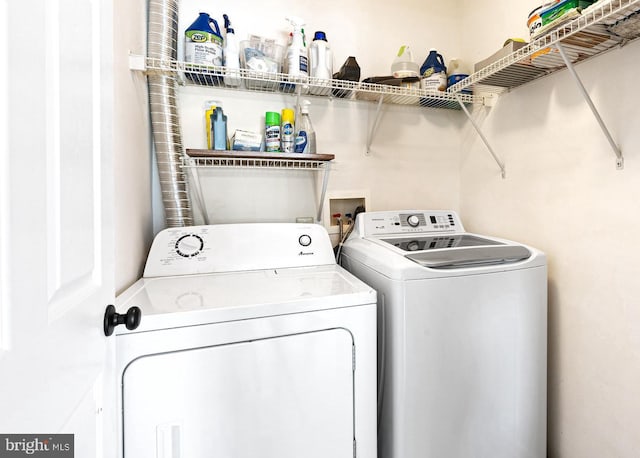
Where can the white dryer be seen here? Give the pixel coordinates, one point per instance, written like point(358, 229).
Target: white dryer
point(252, 343)
point(462, 335)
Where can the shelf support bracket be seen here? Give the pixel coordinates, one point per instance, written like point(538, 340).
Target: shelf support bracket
point(374, 126)
point(484, 139)
point(323, 192)
point(196, 188)
point(585, 94)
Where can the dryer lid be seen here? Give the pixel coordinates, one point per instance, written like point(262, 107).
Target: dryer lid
point(471, 256)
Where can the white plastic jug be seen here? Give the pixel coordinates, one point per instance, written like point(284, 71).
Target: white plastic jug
point(321, 62)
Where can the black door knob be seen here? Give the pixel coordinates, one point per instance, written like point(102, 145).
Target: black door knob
point(131, 319)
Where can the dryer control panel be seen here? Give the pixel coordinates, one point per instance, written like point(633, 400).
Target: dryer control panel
point(407, 222)
point(238, 247)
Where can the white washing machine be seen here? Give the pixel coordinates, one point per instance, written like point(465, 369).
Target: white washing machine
point(462, 335)
point(252, 343)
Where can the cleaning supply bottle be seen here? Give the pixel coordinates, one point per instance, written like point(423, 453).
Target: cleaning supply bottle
point(287, 131)
point(219, 123)
point(272, 131)
point(203, 46)
point(231, 55)
point(434, 72)
point(350, 71)
point(321, 63)
point(403, 65)
point(296, 62)
point(305, 135)
point(456, 74)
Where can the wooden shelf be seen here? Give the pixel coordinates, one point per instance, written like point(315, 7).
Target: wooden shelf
point(207, 153)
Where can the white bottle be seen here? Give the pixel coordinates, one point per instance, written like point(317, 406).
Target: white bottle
point(231, 55)
point(296, 62)
point(321, 64)
point(305, 135)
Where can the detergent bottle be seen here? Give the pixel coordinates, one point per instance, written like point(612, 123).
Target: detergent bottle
point(434, 72)
point(203, 46)
point(231, 55)
point(296, 62)
point(321, 63)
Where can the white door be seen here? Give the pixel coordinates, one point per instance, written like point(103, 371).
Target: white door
point(56, 266)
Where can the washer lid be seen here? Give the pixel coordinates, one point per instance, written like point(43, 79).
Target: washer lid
point(471, 256)
point(436, 242)
point(169, 302)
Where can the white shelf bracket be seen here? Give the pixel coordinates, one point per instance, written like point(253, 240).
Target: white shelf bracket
point(374, 126)
point(484, 139)
point(585, 94)
point(323, 193)
point(137, 62)
point(196, 188)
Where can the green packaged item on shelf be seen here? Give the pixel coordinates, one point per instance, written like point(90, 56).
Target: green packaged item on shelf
point(562, 8)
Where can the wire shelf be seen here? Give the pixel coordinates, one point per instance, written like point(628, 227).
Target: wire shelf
point(589, 34)
point(251, 80)
point(237, 159)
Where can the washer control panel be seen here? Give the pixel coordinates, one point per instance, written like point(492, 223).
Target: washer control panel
point(407, 222)
point(238, 247)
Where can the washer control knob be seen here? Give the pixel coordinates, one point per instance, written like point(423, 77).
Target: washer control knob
point(413, 220)
point(304, 240)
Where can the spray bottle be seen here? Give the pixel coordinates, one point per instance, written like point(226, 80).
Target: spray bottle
point(305, 135)
point(296, 63)
point(231, 55)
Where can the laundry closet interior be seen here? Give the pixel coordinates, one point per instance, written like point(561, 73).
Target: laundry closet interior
point(557, 183)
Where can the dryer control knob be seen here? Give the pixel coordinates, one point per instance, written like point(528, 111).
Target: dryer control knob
point(304, 240)
point(413, 220)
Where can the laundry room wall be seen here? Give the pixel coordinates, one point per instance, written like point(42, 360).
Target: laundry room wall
point(132, 153)
point(414, 157)
point(563, 194)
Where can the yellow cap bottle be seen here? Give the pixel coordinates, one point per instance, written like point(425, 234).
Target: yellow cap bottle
point(287, 132)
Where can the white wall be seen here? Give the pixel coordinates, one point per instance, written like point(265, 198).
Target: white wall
point(415, 153)
point(563, 194)
point(131, 146)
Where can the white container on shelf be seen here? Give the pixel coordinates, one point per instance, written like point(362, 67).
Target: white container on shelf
point(321, 64)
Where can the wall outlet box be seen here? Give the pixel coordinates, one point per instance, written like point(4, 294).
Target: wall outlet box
point(344, 202)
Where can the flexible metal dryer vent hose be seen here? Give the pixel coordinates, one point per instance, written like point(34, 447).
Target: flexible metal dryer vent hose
point(162, 38)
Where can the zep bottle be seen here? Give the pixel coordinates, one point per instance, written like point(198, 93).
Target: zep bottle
point(203, 46)
point(287, 131)
point(433, 73)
